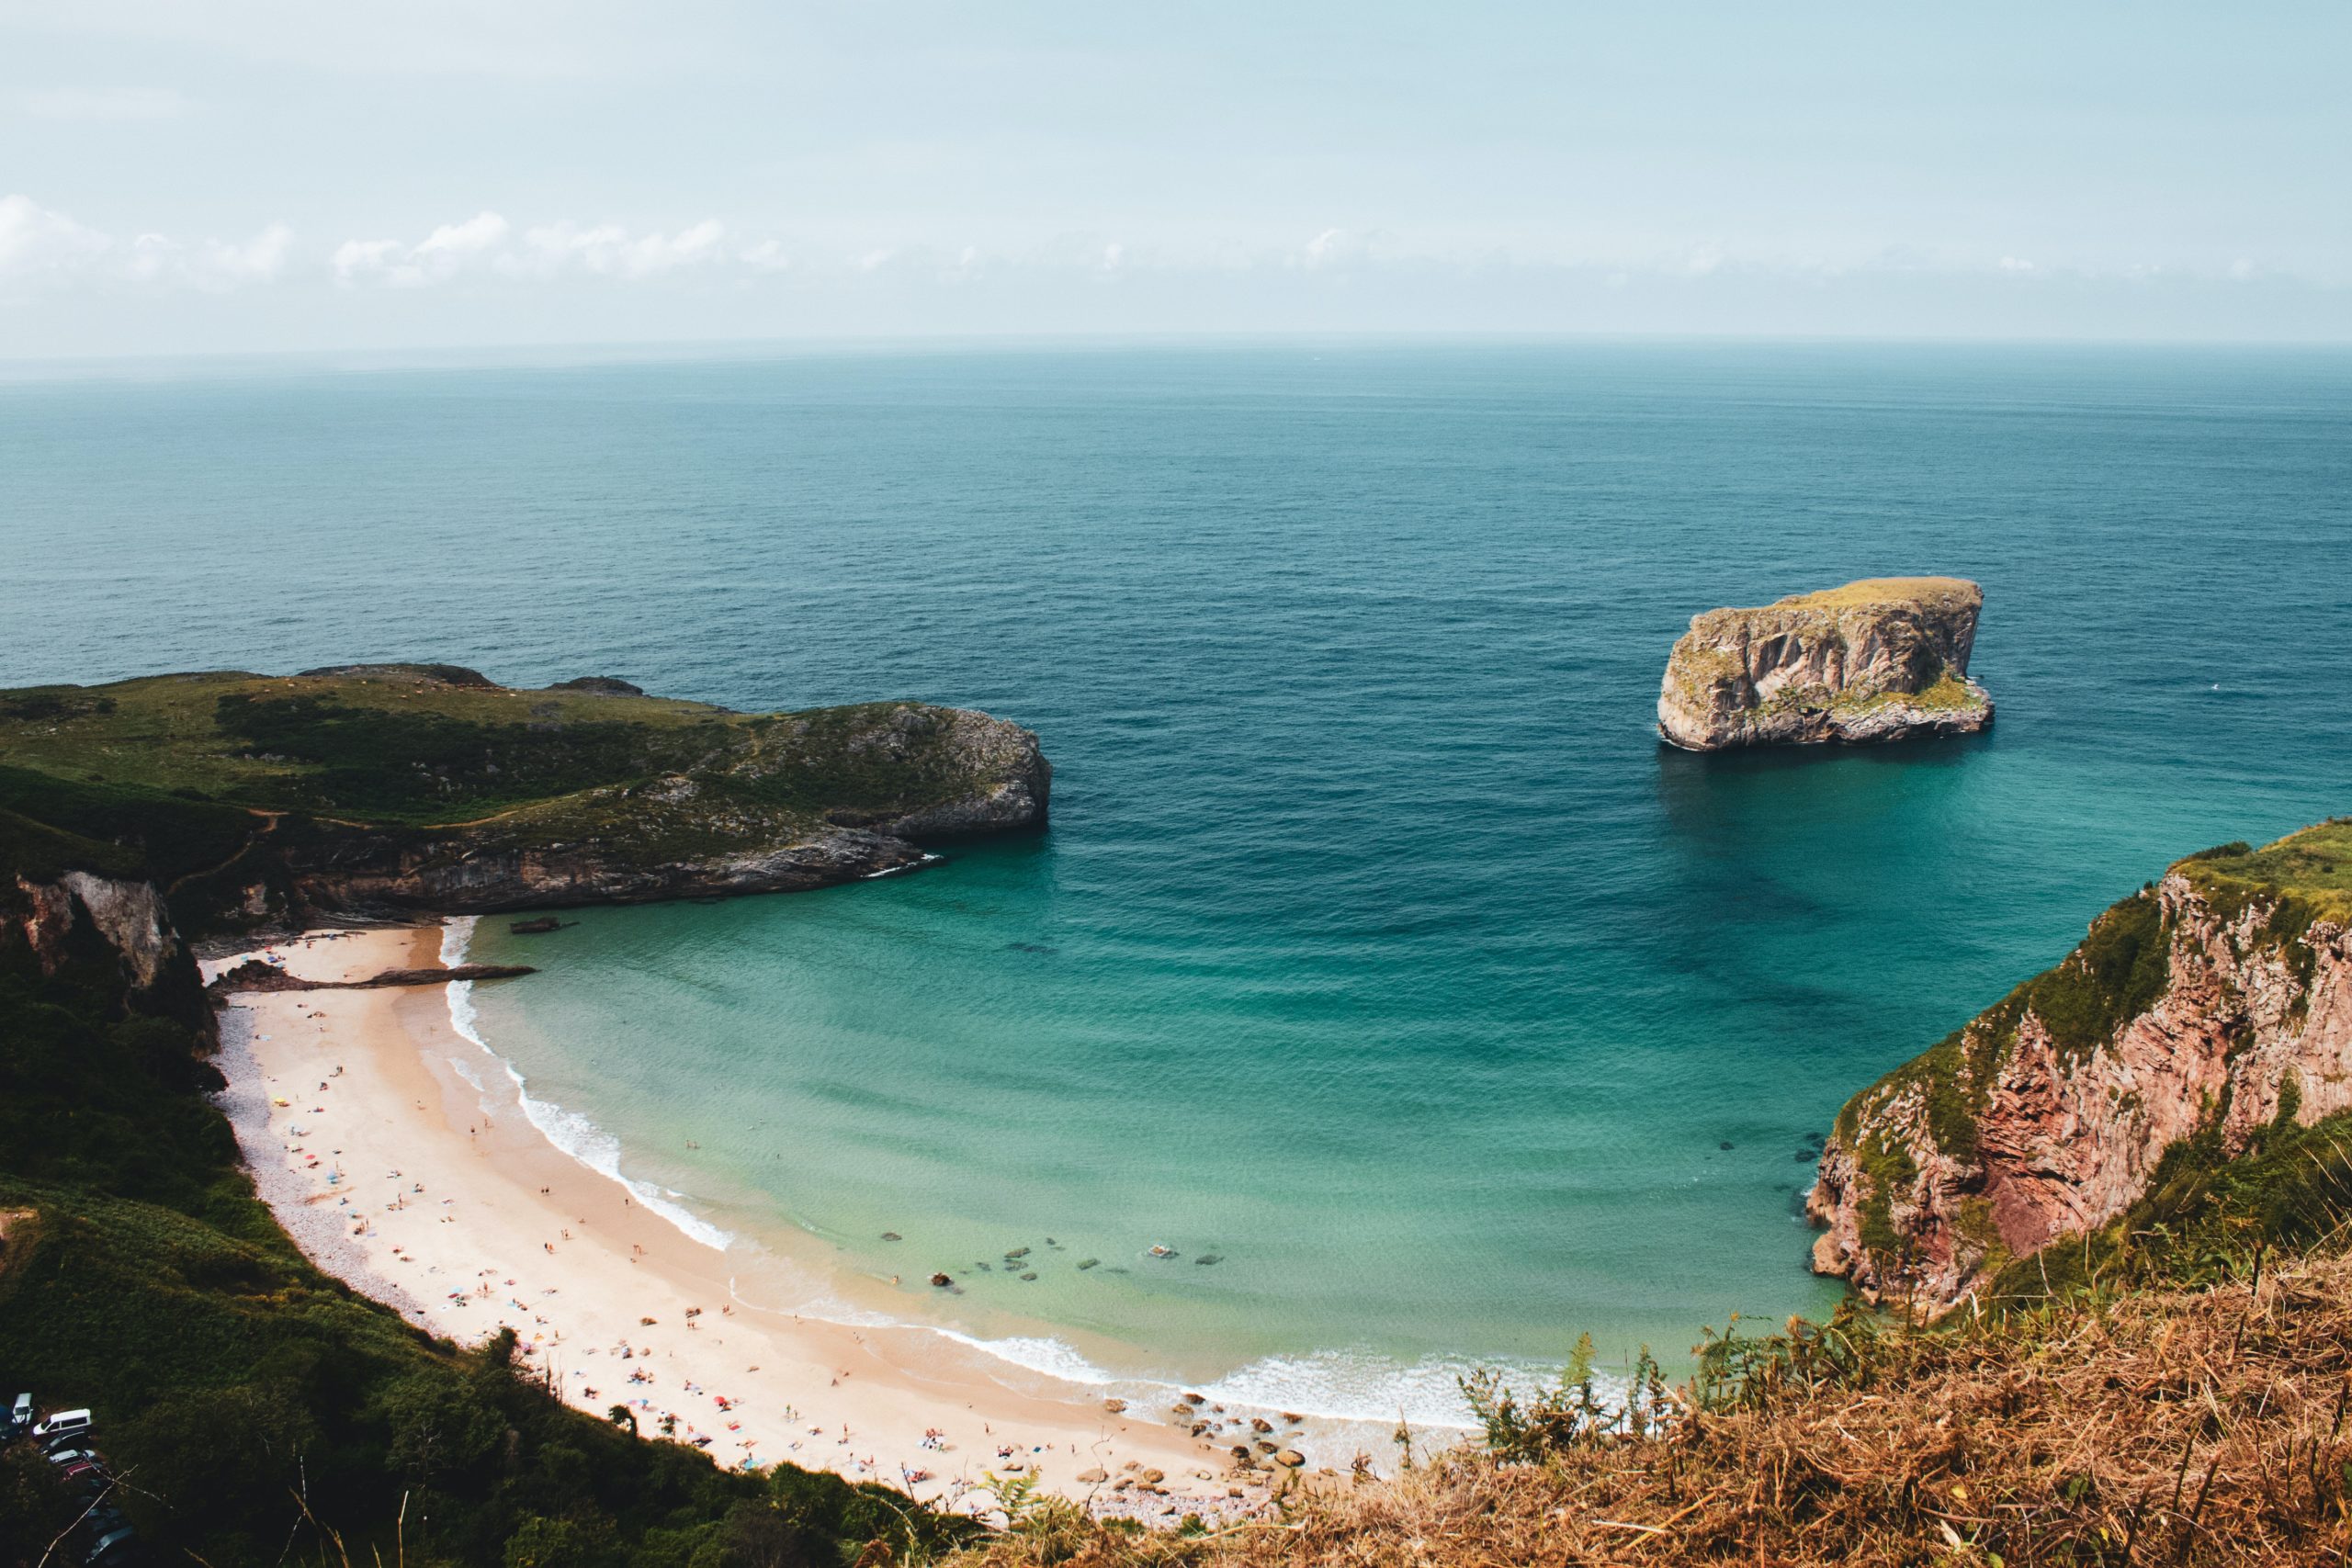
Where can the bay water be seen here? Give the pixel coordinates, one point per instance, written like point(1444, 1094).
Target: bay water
point(1379, 965)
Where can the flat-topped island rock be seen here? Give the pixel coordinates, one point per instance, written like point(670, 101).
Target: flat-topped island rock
point(1882, 658)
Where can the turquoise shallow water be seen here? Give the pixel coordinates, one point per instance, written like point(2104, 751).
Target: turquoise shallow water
point(1377, 949)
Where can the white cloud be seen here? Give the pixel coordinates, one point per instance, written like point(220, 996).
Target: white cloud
point(2015, 264)
point(610, 251)
point(437, 258)
point(103, 102)
point(354, 259)
point(487, 242)
point(35, 240)
point(213, 266)
point(38, 243)
point(768, 255)
point(258, 260)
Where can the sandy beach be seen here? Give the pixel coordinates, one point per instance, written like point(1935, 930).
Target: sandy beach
point(381, 1160)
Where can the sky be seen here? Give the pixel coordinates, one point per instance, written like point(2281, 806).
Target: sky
point(187, 177)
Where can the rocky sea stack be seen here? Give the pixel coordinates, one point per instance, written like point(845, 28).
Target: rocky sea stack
point(2204, 1015)
point(1879, 659)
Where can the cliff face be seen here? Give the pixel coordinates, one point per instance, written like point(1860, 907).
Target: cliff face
point(1877, 659)
point(367, 790)
point(77, 933)
point(2217, 1001)
point(735, 827)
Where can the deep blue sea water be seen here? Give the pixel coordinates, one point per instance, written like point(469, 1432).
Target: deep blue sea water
point(1378, 948)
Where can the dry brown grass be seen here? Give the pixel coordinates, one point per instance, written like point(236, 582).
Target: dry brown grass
point(2205, 1427)
point(1936, 593)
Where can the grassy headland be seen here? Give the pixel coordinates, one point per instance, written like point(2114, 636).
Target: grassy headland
point(264, 800)
point(257, 1411)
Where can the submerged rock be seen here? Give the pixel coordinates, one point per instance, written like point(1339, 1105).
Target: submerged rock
point(1878, 660)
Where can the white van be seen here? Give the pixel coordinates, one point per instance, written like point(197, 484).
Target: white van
point(64, 1424)
point(21, 1418)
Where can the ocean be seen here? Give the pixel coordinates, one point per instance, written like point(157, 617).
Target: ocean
point(1379, 965)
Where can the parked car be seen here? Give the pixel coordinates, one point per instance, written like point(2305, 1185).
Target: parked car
point(19, 1419)
point(114, 1549)
point(64, 1424)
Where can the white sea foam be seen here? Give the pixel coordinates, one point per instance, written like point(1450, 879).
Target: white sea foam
point(901, 869)
point(1052, 1357)
point(1351, 1389)
point(569, 1131)
point(1343, 1386)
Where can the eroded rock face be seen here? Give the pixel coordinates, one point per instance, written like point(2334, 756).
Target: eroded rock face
point(711, 835)
point(128, 913)
point(2024, 1129)
point(365, 876)
point(1012, 781)
point(1878, 660)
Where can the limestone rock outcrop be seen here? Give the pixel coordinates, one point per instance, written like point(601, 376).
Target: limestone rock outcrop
point(1879, 659)
point(2215, 1002)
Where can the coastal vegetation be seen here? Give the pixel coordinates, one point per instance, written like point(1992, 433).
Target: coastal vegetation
point(2173, 1390)
point(2174, 1044)
point(256, 1410)
point(268, 802)
point(2167, 1386)
point(2122, 1423)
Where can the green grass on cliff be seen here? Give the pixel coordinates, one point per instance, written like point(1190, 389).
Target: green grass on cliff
point(2305, 876)
point(2116, 972)
point(421, 749)
point(254, 1403)
point(216, 781)
point(2120, 970)
point(378, 748)
point(1948, 693)
point(2206, 1217)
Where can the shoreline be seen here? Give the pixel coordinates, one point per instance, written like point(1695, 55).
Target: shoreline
point(439, 1197)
